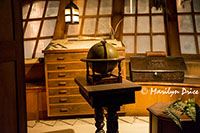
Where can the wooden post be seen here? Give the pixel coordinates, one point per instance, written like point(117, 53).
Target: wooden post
point(60, 25)
point(118, 8)
point(172, 28)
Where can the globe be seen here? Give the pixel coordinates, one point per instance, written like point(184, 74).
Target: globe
point(102, 50)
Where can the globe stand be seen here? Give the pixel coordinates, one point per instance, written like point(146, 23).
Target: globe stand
point(103, 78)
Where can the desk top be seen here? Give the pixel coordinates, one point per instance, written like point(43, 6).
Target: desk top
point(104, 95)
point(125, 86)
point(158, 108)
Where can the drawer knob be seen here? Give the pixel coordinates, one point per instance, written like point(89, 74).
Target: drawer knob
point(61, 75)
point(155, 73)
point(60, 58)
point(62, 84)
point(63, 100)
point(64, 110)
point(63, 92)
point(61, 67)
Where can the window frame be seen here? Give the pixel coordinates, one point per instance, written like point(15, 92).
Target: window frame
point(150, 34)
point(41, 19)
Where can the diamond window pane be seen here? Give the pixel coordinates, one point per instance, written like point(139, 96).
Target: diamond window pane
point(143, 44)
point(91, 7)
point(105, 7)
point(32, 29)
point(103, 25)
point(80, 4)
point(48, 27)
point(73, 29)
point(154, 10)
point(187, 43)
point(159, 43)
point(52, 8)
point(196, 4)
point(25, 10)
point(186, 8)
point(197, 20)
point(129, 24)
point(143, 6)
point(28, 49)
point(42, 44)
point(128, 41)
point(130, 6)
point(37, 9)
point(143, 24)
point(185, 23)
point(89, 26)
point(157, 24)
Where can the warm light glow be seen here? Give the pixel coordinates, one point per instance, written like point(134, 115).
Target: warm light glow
point(71, 10)
point(75, 18)
point(67, 18)
point(75, 12)
point(67, 12)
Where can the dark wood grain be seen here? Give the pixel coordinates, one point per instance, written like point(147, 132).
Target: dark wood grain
point(161, 123)
point(111, 96)
point(125, 86)
point(12, 79)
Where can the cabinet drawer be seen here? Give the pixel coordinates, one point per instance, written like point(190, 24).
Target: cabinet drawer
point(67, 91)
point(69, 74)
point(66, 99)
point(75, 109)
point(62, 83)
point(66, 66)
point(65, 57)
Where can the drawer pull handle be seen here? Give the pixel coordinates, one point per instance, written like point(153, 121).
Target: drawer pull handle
point(60, 58)
point(61, 75)
point(62, 83)
point(63, 92)
point(63, 110)
point(61, 67)
point(63, 100)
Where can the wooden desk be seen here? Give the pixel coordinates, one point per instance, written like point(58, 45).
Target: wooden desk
point(110, 96)
point(161, 123)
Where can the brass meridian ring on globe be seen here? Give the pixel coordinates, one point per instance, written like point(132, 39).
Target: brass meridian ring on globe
point(103, 61)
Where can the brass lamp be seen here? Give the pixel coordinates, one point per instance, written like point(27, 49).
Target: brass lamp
point(71, 13)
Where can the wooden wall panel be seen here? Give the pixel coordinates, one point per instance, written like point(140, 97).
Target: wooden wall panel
point(6, 21)
point(32, 105)
point(12, 86)
point(143, 101)
point(8, 113)
point(36, 102)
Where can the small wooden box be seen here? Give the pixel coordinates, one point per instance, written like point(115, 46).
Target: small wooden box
point(157, 69)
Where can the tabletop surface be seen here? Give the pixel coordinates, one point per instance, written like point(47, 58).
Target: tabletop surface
point(125, 86)
point(158, 108)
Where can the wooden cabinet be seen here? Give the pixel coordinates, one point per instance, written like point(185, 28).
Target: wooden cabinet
point(61, 67)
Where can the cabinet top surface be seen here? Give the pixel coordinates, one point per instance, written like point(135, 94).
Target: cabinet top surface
point(64, 45)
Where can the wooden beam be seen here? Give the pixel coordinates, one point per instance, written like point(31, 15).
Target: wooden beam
point(60, 24)
point(117, 12)
point(172, 28)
